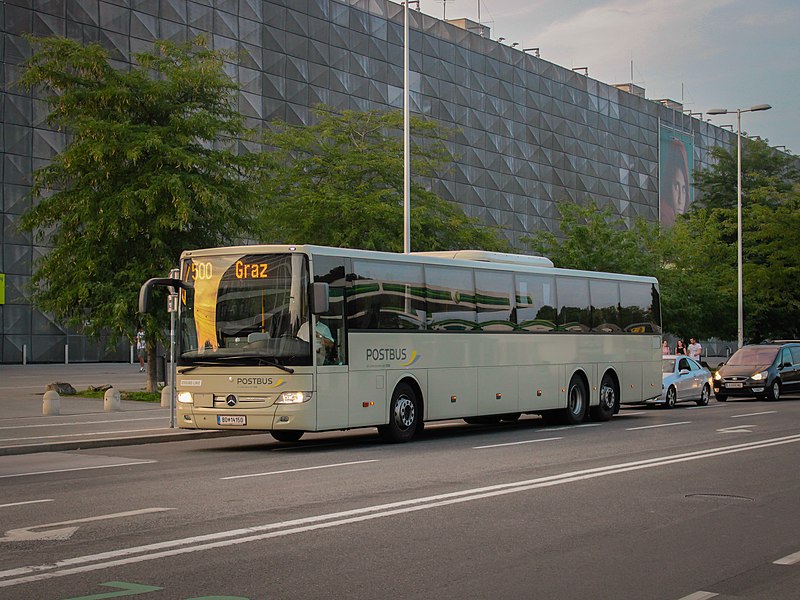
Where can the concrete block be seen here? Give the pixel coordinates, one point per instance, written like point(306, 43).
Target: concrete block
point(51, 403)
point(166, 394)
point(111, 400)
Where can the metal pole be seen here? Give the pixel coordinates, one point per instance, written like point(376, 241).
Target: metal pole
point(740, 329)
point(174, 302)
point(406, 141)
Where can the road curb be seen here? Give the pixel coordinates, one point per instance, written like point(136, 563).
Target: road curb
point(177, 436)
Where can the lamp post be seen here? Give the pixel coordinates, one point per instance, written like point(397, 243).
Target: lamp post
point(406, 138)
point(739, 111)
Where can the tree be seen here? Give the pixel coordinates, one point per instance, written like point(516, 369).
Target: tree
point(762, 167)
point(339, 182)
point(149, 170)
point(592, 240)
point(770, 236)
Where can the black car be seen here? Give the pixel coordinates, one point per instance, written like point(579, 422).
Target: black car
point(763, 371)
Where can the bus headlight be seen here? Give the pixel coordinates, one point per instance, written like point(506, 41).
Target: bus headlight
point(293, 398)
point(185, 397)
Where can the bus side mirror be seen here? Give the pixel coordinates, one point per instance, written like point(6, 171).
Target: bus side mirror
point(144, 291)
point(320, 298)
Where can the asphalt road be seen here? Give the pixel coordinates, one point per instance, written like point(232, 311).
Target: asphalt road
point(690, 503)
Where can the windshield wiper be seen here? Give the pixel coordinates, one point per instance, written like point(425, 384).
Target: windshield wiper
point(242, 357)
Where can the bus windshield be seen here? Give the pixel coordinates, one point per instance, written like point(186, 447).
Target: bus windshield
point(245, 309)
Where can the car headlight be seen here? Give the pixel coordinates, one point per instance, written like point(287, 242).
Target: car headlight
point(185, 397)
point(717, 376)
point(760, 376)
point(293, 398)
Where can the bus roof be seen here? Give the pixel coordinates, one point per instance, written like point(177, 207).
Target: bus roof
point(465, 258)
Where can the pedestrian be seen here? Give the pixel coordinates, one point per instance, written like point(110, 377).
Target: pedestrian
point(695, 349)
point(664, 348)
point(140, 348)
point(680, 348)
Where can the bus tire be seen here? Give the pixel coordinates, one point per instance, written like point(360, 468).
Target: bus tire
point(404, 416)
point(577, 404)
point(609, 400)
point(286, 435)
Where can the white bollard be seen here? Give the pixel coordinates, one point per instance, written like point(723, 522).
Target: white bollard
point(111, 400)
point(51, 403)
point(166, 395)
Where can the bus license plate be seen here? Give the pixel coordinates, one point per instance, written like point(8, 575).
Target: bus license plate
point(231, 420)
point(733, 385)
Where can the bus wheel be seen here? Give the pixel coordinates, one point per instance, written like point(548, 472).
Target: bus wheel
point(286, 435)
point(577, 402)
point(403, 416)
point(608, 400)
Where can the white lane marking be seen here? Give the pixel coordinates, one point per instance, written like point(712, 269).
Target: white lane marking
point(26, 502)
point(655, 426)
point(766, 412)
point(162, 418)
point(517, 443)
point(66, 435)
point(701, 595)
point(792, 559)
point(344, 464)
point(629, 413)
point(169, 548)
point(736, 429)
point(26, 534)
point(126, 464)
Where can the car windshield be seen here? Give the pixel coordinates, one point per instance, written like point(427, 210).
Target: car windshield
point(668, 365)
point(753, 356)
point(245, 309)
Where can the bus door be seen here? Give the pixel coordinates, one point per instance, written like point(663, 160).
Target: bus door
point(332, 387)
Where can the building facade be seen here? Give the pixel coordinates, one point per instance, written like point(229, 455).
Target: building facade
point(528, 133)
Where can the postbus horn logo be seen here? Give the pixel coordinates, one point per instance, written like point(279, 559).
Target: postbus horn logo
point(414, 358)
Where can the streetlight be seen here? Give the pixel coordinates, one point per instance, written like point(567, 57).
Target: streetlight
point(739, 111)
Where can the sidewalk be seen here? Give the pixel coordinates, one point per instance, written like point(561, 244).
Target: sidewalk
point(82, 422)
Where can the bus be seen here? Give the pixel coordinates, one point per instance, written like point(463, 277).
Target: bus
point(403, 339)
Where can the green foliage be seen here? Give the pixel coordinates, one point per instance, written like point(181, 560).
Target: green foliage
point(149, 170)
point(592, 240)
point(763, 168)
point(339, 182)
point(771, 262)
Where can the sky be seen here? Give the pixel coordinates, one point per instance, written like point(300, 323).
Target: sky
point(706, 53)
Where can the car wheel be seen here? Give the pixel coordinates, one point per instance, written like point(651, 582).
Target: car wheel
point(609, 400)
point(774, 392)
point(286, 435)
point(404, 416)
point(721, 397)
point(671, 398)
point(704, 396)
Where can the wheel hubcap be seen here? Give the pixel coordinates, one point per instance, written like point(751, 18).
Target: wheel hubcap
point(607, 398)
point(404, 412)
point(776, 390)
point(575, 401)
